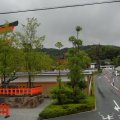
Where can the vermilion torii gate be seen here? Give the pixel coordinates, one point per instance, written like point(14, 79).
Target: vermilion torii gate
point(8, 27)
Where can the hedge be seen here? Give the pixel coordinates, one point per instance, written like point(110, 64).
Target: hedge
point(60, 110)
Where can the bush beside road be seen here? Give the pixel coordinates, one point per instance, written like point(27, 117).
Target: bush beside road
point(60, 110)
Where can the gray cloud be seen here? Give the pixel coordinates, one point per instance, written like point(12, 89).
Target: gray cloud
point(100, 23)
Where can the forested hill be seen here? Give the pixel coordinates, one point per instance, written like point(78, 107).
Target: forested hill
point(54, 52)
point(105, 51)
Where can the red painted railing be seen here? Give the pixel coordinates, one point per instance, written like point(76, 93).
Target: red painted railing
point(4, 110)
point(21, 91)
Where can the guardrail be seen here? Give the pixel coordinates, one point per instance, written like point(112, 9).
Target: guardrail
point(21, 91)
point(4, 110)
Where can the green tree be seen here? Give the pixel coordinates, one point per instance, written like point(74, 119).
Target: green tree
point(103, 54)
point(116, 61)
point(30, 42)
point(78, 29)
point(9, 56)
point(77, 61)
point(59, 45)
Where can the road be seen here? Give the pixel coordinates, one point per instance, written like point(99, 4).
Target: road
point(107, 101)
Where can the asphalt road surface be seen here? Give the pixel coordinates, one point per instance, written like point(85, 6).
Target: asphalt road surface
point(107, 101)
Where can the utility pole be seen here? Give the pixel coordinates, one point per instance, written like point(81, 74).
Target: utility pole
point(98, 56)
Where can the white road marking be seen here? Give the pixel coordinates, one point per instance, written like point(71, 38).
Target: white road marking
point(117, 108)
point(109, 117)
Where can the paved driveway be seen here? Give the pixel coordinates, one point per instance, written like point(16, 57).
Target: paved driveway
point(26, 114)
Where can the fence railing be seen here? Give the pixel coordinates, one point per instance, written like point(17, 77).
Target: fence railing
point(4, 110)
point(21, 91)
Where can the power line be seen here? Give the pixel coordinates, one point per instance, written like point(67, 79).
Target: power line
point(58, 7)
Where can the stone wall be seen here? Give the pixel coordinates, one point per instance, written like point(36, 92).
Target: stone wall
point(23, 102)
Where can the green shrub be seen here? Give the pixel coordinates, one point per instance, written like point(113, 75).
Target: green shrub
point(60, 110)
point(82, 84)
point(65, 95)
point(77, 95)
point(62, 95)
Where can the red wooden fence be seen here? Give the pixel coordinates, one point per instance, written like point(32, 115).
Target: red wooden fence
point(21, 91)
point(4, 110)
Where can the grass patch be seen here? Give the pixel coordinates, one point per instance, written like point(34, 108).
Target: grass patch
point(60, 110)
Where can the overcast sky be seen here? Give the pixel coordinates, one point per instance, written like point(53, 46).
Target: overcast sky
point(100, 23)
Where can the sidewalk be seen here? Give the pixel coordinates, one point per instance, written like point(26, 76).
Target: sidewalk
point(26, 114)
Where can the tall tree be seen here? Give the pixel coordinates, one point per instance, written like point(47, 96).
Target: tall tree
point(59, 45)
point(77, 61)
point(9, 56)
point(29, 42)
point(116, 61)
point(78, 29)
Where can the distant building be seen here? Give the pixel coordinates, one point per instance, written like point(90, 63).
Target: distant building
point(107, 67)
point(93, 65)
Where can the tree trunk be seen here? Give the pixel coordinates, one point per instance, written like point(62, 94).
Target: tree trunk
point(29, 77)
